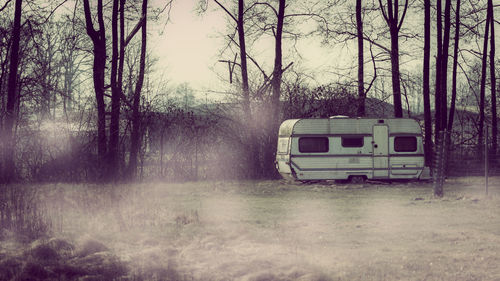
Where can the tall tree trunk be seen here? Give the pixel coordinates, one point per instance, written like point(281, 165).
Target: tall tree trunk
point(396, 82)
point(276, 91)
point(494, 124)
point(278, 63)
point(455, 63)
point(250, 139)
point(12, 99)
point(444, 65)
point(437, 88)
point(361, 82)
point(249, 133)
point(483, 82)
point(121, 60)
point(426, 84)
point(394, 23)
point(114, 126)
point(243, 59)
point(99, 66)
point(135, 136)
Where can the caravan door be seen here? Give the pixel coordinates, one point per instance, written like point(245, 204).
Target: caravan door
point(380, 151)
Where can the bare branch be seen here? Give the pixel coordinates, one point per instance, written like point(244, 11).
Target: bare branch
point(125, 99)
point(383, 11)
point(374, 71)
point(135, 30)
point(368, 39)
point(226, 10)
point(288, 66)
point(252, 59)
point(5, 5)
point(230, 62)
point(403, 16)
point(267, 81)
point(234, 63)
point(264, 4)
point(51, 12)
point(169, 5)
point(230, 66)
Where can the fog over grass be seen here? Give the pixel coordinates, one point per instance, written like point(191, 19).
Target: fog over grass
point(265, 230)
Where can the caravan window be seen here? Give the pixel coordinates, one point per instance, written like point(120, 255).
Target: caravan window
point(405, 144)
point(352, 142)
point(313, 144)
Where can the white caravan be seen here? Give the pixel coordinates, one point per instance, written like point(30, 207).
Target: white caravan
point(342, 148)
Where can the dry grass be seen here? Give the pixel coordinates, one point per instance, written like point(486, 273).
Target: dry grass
point(269, 230)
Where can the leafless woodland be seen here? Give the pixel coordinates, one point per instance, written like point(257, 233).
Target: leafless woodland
point(81, 102)
point(87, 124)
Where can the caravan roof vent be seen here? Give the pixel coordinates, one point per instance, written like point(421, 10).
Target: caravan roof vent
point(339, 117)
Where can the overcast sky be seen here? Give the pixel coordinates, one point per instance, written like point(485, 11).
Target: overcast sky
point(189, 47)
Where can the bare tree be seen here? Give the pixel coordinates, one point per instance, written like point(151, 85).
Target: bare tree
point(361, 82)
point(482, 89)
point(249, 136)
point(276, 90)
point(443, 42)
point(494, 123)
point(270, 108)
point(135, 137)
point(426, 83)
point(45, 55)
point(114, 125)
point(392, 19)
point(71, 60)
point(439, 55)
point(454, 73)
point(9, 143)
point(98, 38)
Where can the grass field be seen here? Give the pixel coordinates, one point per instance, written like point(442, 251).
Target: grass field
point(262, 230)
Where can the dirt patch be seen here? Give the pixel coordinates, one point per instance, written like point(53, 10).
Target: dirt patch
point(265, 230)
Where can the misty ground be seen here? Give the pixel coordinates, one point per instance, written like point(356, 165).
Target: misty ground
point(261, 230)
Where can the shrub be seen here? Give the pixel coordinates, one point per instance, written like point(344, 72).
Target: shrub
point(21, 214)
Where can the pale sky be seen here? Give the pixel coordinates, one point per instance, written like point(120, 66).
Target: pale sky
point(187, 48)
point(189, 45)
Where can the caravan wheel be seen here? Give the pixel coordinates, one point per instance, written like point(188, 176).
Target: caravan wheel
point(357, 179)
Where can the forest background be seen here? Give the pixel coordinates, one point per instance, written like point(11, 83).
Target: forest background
point(85, 98)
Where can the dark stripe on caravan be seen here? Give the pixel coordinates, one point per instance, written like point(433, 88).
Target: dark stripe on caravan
point(405, 135)
point(356, 169)
point(393, 134)
point(353, 155)
point(407, 155)
point(330, 155)
point(331, 135)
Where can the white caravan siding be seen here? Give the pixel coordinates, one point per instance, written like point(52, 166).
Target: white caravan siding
point(336, 161)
